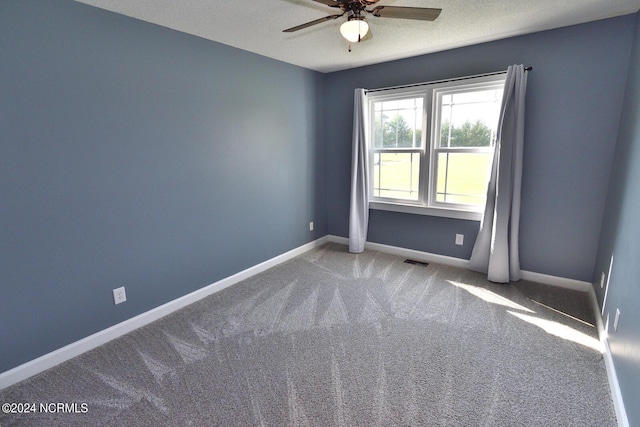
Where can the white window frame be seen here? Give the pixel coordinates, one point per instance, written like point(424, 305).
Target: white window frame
point(431, 94)
point(400, 95)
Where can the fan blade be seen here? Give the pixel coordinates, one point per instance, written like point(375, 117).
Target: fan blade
point(309, 24)
point(331, 3)
point(420, 13)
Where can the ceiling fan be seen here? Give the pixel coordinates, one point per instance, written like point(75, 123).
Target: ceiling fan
point(356, 28)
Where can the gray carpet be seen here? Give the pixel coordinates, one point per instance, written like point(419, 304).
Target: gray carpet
point(335, 339)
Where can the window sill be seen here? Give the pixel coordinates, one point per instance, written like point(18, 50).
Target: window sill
point(424, 210)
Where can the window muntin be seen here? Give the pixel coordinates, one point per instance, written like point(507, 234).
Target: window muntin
point(433, 146)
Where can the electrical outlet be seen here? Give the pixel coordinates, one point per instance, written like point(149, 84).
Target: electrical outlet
point(119, 295)
point(311, 226)
point(616, 320)
point(459, 239)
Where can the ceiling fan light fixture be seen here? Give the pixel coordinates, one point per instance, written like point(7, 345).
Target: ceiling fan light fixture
point(354, 29)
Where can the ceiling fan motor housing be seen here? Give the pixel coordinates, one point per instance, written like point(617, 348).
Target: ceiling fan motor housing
point(356, 5)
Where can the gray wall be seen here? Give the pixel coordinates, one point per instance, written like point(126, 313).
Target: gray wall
point(573, 108)
point(621, 239)
point(135, 155)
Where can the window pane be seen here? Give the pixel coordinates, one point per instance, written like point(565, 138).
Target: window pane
point(390, 105)
point(462, 177)
point(396, 175)
point(377, 134)
point(408, 103)
point(398, 123)
point(477, 96)
point(445, 128)
point(469, 119)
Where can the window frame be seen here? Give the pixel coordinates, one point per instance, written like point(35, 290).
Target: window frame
point(392, 95)
point(431, 93)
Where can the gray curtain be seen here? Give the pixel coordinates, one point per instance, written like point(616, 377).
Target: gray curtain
point(359, 211)
point(496, 249)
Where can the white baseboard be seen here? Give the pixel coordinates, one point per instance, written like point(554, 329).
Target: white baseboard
point(407, 253)
point(545, 279)
point(74, 349)
point(560, 282)
point(614, 386)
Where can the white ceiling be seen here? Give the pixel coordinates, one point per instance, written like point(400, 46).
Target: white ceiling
point(256, 25)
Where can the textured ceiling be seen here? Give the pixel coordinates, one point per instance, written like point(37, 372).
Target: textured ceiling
point(256, 25)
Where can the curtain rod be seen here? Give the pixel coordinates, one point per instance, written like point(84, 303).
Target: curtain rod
point(495, 73)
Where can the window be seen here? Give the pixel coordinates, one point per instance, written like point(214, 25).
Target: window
point(432, 146)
